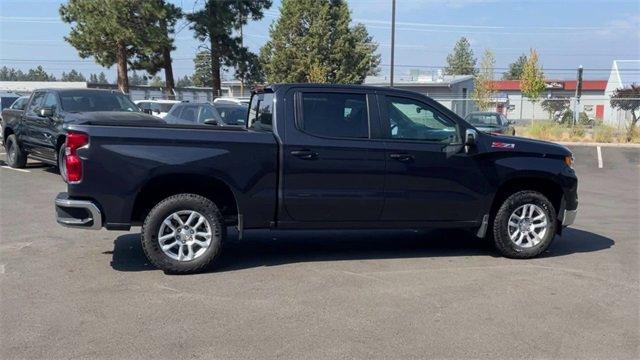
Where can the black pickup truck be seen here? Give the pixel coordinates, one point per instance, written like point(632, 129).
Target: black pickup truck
point(316, 157)
point(38, 129)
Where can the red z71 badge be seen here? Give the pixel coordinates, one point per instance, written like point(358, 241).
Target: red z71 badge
point(501, 145)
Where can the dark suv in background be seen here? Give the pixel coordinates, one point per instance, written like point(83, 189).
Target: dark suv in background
point(206, 113)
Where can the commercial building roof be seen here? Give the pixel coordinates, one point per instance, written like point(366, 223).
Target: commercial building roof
point(587, 85)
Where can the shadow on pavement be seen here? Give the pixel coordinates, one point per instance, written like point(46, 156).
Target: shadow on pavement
point(271, 248)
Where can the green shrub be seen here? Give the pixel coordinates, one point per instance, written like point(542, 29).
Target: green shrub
point(567, 118)
point(583, 119)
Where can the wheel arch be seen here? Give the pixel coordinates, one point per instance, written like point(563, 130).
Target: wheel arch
point(163, 186)
point(5, 134)
point(544, 185)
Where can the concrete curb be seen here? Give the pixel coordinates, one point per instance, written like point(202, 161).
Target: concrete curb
point(616, 145)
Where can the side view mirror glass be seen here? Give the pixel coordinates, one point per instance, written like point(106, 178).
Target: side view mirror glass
point(45, 112)
point(470, 137)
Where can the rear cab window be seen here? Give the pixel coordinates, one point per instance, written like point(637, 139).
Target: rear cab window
point(261, 112)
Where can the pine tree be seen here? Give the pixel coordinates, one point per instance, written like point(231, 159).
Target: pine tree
point(184, 82)
point(515, 69)
point(313, 41)
point(461, 61)
point(73, 75)
point(202, 70)
point(484, 86)
point(113, 31)
point(215, 24)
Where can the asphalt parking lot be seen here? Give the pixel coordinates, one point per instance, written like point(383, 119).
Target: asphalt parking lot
point(85, 294)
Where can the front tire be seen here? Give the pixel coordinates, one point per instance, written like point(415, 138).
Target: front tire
point(525, 225)
point(16, 158)
point(183, 234)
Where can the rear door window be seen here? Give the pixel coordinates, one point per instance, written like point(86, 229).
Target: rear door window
point(334, 115)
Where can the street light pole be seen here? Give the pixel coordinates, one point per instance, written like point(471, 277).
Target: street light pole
point(393, 37)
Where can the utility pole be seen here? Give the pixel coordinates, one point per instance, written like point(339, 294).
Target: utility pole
point(393, 37)
point(578, 95)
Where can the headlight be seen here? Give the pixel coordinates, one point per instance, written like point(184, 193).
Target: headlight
point(569, 160)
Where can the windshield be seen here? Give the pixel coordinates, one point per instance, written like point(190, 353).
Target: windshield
point(88, 101)
point(233, 114)
point(483, 119)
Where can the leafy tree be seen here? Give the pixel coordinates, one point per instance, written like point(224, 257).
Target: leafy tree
point(156, 56)
point(484, 85)
point(73, 75)
point(628, 99)
point(202, 75)
point(98, 79)
point(215, 24)
point(184, 82)
point(11, 74)
point(313, 41)
point(532, 82)
point(113, 31)
point(461, 61)
point(555, 105)
point(515, 69)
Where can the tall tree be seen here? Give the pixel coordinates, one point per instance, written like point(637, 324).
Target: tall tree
point(73, 75)
point(461, 60)
point(202, 69)
point(154, 56)
point(113, 31)
point(484, 85)
point(515, 69)
point(313, 41)
point(136, 80)
point(215, 24)
point(628, 99)
point(532, 82)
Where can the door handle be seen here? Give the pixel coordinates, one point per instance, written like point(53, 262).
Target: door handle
point(402, 157)
point(305, 154)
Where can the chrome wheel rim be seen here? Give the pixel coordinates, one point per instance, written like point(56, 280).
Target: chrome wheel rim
point(185, 235)
point(528, 225)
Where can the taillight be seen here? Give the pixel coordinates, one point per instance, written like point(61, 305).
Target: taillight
point(73, 163)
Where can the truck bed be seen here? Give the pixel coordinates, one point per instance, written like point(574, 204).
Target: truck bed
point(123, 164)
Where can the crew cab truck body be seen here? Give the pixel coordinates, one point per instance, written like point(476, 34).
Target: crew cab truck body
point(38, 130)
point(318, 157)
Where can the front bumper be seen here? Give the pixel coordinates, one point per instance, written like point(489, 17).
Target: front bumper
point(569, 216)
point(83, 214)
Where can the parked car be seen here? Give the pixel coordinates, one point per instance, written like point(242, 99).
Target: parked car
point(194, 114)
point(316, 157)
point(491, 122)
point(39, 131)
point(231, 100)
point(232, 114)
point(17, 106)
point(156, 107)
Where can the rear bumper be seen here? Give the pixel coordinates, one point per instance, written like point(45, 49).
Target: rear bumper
point(83, 214)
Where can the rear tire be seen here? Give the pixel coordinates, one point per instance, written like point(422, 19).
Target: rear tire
point(174, 234)
point(16, 158)
point(525, 225)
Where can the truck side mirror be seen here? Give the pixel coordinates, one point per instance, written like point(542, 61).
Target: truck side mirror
point(470, 137)
point(45, 112)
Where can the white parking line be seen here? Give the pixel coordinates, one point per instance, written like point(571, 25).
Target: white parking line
point(599, 157)
point(10, 168)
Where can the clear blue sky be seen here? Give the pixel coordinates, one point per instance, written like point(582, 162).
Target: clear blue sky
point(567, 33)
